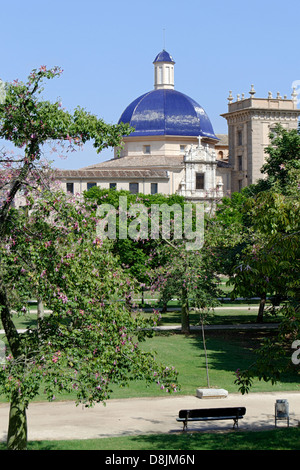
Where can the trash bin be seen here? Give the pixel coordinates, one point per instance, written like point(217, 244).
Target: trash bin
point(282, 411)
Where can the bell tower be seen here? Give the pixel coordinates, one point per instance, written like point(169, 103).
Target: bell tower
point(163, 71)
point(250, 121)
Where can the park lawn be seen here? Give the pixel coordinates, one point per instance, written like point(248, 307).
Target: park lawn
point(227, 351)
point(277, 439)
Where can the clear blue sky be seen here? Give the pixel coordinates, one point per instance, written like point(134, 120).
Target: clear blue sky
point(107, 48)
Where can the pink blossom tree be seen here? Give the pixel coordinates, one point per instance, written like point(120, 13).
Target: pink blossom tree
point(49, 250)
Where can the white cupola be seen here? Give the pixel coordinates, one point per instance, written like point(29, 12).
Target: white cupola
point(163, 71)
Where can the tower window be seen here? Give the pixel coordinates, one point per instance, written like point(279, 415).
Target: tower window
point(160, 74)
point(153, 188)
point(147, 149)
point(239, 138)
point(70, 188)
point(168, 74)
point(134, 188)
point(199, 180)
point(240, 162)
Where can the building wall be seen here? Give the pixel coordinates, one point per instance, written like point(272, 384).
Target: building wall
point(250, 122)
point(168, 146)
point(163, 186)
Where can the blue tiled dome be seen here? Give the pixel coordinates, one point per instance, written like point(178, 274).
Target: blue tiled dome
point(167, 112)
point(164, 56)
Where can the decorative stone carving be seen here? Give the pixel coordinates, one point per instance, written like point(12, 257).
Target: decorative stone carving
point(200, 160)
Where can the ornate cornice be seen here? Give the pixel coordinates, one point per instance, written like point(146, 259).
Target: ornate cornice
point(261, 114)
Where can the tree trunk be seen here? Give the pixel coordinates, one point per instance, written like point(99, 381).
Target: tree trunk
point(261, 308)
point(17, 427)
point(13, 191)
point(40, 312)
point(185, 320)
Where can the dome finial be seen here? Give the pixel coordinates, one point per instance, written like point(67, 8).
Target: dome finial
point(163, 70)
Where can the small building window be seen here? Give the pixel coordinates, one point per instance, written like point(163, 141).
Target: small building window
point(70, 188)
point(160, 75)
point(182, 148)
point(273, 131)
point(112, 185)
point(240, 162)
point(199, 180)
point(239, 138)
point(147, 149)
point(90, 185)
point(134, 188)
point(220, 155)
point(154, 188)
point(168, 74)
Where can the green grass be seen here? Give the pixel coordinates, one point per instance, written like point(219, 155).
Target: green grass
point(227, 351)
point(277, 439)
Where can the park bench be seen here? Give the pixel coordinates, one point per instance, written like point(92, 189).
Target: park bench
point(207, 414)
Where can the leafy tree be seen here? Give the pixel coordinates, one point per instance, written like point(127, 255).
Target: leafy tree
point(135, 254)
point(50, 250)
point(187, 275)
point(90, 340)
point(163, 263)
point(256, 237)
point(271, 262)
point(29, 123)
point(282, 167)
point(227, 231)
point(237, 236)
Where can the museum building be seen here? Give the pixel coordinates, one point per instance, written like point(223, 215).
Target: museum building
point(174, 148)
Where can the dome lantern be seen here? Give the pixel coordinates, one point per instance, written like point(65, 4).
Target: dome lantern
point(163, 71)
point(165, 111)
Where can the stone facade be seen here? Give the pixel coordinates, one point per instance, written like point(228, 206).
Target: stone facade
point(200, 182)
point(250, 121)
point(199, 168)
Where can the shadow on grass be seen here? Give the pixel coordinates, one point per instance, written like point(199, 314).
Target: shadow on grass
point(279, 439)
point(228, 351)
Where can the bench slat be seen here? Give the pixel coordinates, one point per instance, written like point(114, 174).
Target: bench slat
point(212, 412)
point(207, 414)
point(209, 418)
